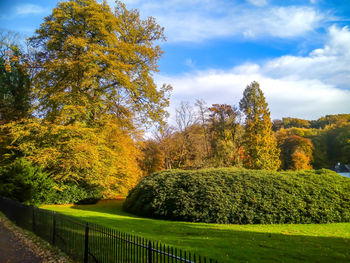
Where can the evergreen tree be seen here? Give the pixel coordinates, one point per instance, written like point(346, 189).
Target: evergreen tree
point(15, 87)
point(260, 145)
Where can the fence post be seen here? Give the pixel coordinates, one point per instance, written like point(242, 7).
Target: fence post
point(54, 228)
point(149, 252)
point(33, 219)
point(86, 250)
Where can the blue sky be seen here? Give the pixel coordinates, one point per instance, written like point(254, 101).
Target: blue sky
point(299, 51)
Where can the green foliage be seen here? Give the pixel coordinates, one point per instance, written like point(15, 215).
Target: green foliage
point(259, 143)
point(225, 135)
point(295, 122)
point(329, 120)
point(229, 243)
point(27, 183)
point(242, 196)
point(80, 193)
point(15, 87)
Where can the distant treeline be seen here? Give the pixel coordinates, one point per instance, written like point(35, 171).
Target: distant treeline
point(320, 123)
point(213, 137)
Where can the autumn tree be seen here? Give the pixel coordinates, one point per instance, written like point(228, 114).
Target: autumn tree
point(260, 144)
point(296, 151)
point(104, 156)
point(93, 88)
point(224, 135)
point(203, 120)
point(95, 62)
point(153, 159)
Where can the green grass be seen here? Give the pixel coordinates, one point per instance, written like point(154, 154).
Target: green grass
point(226, 243)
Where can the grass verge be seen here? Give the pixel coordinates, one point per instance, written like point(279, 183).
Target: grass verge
point(226, 243)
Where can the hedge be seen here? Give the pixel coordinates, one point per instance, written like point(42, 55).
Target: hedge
point(29, 184)
point(240, 196)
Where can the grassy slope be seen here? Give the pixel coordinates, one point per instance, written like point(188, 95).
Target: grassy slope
point(227, 243)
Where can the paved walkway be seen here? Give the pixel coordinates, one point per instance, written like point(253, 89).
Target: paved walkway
point(13, 250)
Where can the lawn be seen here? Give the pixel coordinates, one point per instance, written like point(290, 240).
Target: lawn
point(226, 243)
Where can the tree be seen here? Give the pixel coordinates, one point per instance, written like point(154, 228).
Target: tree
point(104, 156)
point(203, 112)
point(15, 89)
point(94, 88)
point(225, 135)
point(96, 62)
point(153, 159)
point(296, 151)
point(259, 142)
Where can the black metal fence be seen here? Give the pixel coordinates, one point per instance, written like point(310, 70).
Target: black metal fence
point(86, 242)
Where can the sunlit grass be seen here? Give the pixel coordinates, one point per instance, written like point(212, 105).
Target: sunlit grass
point(227, 243)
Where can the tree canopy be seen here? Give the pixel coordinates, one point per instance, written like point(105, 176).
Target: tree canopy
point(92, 89)
point(260, 144)
point(15, 99)
point(95, 62)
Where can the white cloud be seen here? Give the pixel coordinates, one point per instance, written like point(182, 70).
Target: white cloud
point(30, 9)
point(304, 87)
point(199, 20)
point(258, 2)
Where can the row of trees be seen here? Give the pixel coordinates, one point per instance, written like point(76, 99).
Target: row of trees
point(75, 101)
point(223, 135)
point(218, 136)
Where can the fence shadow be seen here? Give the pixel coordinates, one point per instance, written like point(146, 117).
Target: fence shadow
point(89, 242)
point(239, 245)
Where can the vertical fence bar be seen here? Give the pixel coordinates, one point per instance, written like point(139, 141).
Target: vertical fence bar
point(106, 245)
point(33, 219)
point(149, 252)
point(54, 228)
point(86, 249)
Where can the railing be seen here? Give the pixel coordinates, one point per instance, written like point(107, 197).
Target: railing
point(86, 242)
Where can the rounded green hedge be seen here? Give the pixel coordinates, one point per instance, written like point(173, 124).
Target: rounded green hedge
point(241, 196)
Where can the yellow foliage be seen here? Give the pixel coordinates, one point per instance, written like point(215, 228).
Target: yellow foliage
point(105, 156)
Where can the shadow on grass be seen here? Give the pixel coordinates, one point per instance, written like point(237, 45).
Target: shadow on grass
point(225, 245)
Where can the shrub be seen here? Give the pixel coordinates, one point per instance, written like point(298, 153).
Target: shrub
point(27, 183)
point(241, 196)
point(77, 193)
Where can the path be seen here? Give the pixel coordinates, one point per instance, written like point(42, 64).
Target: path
point(13, 250)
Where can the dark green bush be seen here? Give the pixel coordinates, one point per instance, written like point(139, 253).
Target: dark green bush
point(27, 183)
point(77, 193)
point(243, 196)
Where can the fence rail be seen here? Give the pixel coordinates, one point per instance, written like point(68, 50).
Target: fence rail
point(92, 243)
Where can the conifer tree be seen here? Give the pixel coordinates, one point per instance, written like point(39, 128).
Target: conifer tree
point(260, 145)
point(15, 87)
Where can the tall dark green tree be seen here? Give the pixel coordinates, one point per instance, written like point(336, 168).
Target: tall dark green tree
point(15, 86)
point(260, 144)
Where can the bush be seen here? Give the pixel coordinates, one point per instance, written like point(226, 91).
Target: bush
point(243, 196)
point(27, 183)
point(76, 193)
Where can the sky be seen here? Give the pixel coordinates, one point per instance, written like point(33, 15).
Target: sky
point(298, 51)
